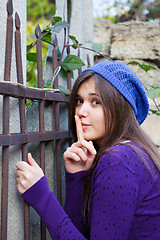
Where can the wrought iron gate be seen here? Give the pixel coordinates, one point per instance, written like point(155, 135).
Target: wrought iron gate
point(18, 90)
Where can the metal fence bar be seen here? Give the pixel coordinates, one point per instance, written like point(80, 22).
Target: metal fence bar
point(19, 68)
point(21, 138)
point(68, 73)
point(22, 113)
point(55, 61)
point(58, 142)
point(21, 91)
point(41, 110)
point(6, 108)
point(80, 69)
point(9, 40)
point(88, 61)
point(58, 153)
point(18, 90)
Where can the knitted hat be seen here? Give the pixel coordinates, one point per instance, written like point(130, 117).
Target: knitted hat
point(127, 83)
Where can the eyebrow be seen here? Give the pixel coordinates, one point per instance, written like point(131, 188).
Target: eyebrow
point(90, 94)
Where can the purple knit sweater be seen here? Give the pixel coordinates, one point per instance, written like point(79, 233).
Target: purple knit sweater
point(125, 200)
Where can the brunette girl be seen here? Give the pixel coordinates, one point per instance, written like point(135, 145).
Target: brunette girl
point(112, 168)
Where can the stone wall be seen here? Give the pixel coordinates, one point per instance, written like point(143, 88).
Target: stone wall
point(15, 203)
point(134, 41)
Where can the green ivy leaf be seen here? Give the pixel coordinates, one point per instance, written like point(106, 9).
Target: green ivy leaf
point(155, 112)
point(32, 57)
point(58, 53)
point(74, 40)
point(59, 26)
point(134, 63)
point(144, 67)
point(48, 84)
point(106, 44)
point(47, 38)
point(72, 62)
point(63, 73)
point(33, 36)
point(74, 46)
point(45, 29)
point(29, 46)
point(97, 47)
point(56, 19)
point(64, 90)
point(153, 93)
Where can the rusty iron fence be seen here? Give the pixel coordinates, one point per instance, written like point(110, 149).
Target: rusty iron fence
point(18, 90)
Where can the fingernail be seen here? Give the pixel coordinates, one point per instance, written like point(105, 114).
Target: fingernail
point(94, 151)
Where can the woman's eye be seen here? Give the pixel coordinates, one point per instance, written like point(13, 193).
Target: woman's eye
point(79, 101)
point(95, 102)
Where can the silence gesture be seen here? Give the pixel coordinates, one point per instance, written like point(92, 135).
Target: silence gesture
point(81, 154)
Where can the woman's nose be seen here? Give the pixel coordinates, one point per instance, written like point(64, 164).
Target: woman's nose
point(83, 110)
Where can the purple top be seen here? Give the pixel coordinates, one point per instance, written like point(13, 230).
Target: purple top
point(125, 200)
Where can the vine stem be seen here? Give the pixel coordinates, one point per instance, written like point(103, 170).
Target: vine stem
point(78, 46)
point(70, 45)
point(31, 46)
point(36, 42)
point(156, 105)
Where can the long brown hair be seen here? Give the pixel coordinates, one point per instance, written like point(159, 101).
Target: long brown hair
point(120, 123)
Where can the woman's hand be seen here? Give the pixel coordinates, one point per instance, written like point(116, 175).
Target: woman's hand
point(81, 154)
point(27, 174)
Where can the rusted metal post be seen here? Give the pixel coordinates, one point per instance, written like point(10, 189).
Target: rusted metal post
point(80, 69)
point(58, 142)
point(96, 59)
point(41, 110)
point(88, 61)
point(69, 88)
point(55, 61)
point(68, 73)
point(22, 111)
point(9, 40)
point(6, 108)
point(18, 49)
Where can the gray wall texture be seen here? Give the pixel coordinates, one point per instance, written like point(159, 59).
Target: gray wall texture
point(15, 203)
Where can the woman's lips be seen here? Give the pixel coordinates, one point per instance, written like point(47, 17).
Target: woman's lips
point(85, 125)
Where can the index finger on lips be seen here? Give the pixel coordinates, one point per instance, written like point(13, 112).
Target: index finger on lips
point(79, 129)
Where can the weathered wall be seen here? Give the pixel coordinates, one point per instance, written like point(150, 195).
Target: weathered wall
point(134, 41)
point(76, 15)
point(15, 203)
point(79, 15)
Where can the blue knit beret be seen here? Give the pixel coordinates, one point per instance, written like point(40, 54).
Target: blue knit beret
point(127, 83)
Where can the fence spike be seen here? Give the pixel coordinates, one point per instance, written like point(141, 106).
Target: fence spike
point(9, 38)
point(39, 57)
point(38, 31)
point(80, 69)
point(10, 7)
point(17, 21)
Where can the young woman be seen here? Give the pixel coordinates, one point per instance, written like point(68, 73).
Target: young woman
point(112, 168)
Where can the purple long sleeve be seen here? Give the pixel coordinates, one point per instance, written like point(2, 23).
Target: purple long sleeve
point(125, 200)
point(47, 206)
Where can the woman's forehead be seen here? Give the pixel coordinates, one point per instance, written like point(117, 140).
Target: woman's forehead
point(89, 85)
